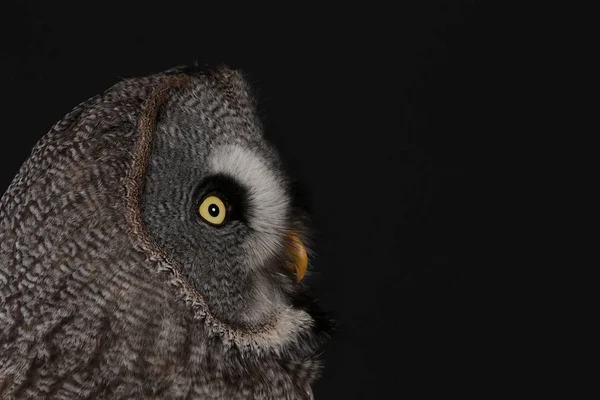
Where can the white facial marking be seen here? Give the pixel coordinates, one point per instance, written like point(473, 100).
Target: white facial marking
point(268, 200)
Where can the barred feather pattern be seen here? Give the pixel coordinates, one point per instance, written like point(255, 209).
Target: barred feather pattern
point(92, 308)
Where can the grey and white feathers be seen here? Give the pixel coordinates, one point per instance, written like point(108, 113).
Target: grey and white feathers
point(112, 286)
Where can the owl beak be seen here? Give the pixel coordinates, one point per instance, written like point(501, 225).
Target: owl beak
point(299, 257)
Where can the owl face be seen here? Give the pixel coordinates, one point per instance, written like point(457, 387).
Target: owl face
point(217, 201)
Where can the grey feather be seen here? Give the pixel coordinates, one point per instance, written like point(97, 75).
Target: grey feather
point(111, 287)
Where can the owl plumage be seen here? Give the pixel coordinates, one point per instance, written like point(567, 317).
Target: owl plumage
point(145, 252)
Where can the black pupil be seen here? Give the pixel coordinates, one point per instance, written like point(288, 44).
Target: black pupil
point(213, 210)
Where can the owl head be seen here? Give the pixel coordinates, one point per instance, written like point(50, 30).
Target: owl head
point(150, 248)
point(217, 200)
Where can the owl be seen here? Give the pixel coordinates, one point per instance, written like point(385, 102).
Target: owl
point(150, 249)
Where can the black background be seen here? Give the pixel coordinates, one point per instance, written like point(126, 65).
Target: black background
point(386, 117)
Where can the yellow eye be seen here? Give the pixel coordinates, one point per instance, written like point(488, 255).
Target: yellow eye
point(213, 210)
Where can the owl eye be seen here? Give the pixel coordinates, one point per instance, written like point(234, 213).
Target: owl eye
point(213, 210)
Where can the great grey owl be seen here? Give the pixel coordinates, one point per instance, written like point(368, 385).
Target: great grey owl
point(150, 249)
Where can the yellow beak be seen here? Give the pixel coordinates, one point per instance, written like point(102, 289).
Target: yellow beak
point(299, 257)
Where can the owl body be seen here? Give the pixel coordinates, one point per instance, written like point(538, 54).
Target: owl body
point(112, 286)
